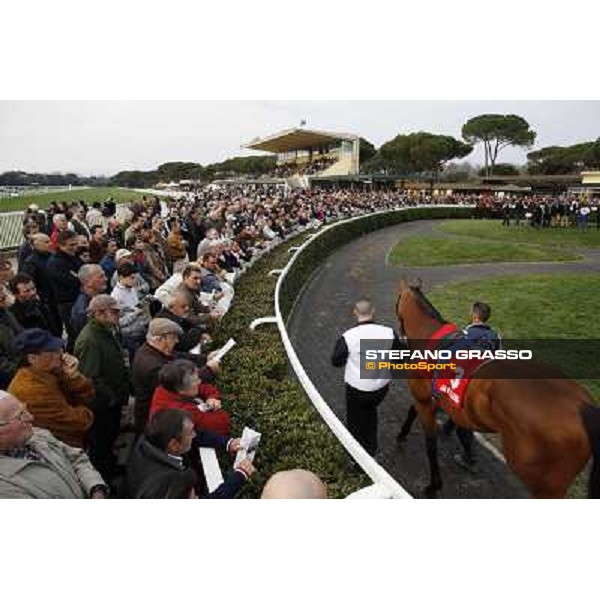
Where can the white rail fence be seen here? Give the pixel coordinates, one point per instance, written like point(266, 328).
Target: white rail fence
point(11, 229)
point(384, 485)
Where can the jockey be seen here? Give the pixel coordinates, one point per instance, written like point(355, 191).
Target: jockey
point(479, 332)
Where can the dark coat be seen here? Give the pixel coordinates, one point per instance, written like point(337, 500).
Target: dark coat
point(32, 314)
point(79, 314)
point(36, 266)
point(151, 473)
point(101, 359)
point(62, 270)
point(191, 332)
point(9, 358)
point(147, 362)
point(24, 252)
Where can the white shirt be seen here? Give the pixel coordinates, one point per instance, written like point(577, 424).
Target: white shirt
point(365, 331)
point(126, 297)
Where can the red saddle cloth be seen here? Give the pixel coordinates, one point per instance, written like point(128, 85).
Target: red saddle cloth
point(454, 383)
point(455, 387)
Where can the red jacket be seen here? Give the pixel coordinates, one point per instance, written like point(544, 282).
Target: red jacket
point(215, 421)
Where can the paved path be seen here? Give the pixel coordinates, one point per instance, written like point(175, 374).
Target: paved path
point(359, 270)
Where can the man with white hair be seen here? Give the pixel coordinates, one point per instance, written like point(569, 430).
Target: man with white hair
point(177, 309)
point(363, 396)
point(34, 464)
point(93, 282)
point(59, 223)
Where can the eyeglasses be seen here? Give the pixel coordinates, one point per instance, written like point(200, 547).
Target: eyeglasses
point(20, 416)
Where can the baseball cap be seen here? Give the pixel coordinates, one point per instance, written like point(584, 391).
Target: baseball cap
point(32, 341)
point(122, 253)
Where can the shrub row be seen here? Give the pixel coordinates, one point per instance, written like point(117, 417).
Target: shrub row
point(259, 388)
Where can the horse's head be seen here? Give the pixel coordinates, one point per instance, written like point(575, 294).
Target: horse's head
point(415, 312)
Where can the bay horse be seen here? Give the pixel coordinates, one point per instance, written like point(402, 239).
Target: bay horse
point(549, 427)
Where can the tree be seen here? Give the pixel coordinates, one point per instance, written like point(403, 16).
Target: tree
point(176, 171)
point(562, 160)
point(135, 179)
point(366, 151)
point(458, 172)
point(502, 169)
point(497, 132)
point(422, 152)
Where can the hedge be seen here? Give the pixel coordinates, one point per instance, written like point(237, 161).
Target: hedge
point(258, 386)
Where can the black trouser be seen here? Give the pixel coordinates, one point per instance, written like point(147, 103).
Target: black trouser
point(103, 435)
point(361, 413)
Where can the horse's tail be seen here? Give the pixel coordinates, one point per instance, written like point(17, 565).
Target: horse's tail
point(590, 415)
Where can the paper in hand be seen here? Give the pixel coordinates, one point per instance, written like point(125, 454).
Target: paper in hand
point(225, 349)
point(249, 444)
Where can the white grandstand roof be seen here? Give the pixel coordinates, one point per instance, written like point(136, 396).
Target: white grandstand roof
point(297, 139)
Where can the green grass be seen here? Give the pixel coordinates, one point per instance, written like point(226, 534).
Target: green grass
point(431, 250)
point(529, 307)
point(493, 230)
point(89, 195)
point(532, 307)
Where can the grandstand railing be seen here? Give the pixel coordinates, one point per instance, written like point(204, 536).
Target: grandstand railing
point(384, 485)
point(11, 229)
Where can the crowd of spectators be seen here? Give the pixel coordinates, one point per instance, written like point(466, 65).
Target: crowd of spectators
point(106, 329)
point(546, 211)
point(310, 167)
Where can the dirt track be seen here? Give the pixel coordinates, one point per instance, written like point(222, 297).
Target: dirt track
point(324, 311)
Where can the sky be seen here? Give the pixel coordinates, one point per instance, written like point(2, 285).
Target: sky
point(104, 137)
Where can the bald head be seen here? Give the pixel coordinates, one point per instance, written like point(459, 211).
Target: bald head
point(364, 310)
point(15, 422)
point(41, 242)
point(295, 484)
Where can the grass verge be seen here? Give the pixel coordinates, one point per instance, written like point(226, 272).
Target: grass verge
point(493, 230)
point(431, 250)
point(90, 195)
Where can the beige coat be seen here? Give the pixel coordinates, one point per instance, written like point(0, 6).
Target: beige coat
point(66, 472)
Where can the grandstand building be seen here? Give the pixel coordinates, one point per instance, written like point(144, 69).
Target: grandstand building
point(305, 155)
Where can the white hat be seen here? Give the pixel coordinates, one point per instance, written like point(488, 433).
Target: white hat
point(122, 253)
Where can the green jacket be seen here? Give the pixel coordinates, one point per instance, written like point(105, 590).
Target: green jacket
point(101, 358)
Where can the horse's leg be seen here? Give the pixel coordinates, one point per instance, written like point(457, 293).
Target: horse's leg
point(407, 425)
point(427, 417)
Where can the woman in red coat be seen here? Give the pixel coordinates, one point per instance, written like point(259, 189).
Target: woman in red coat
point(180, 387)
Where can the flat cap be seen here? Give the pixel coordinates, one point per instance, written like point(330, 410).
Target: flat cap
point(162, 326)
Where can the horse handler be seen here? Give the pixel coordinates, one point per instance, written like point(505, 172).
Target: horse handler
point(363, 396)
